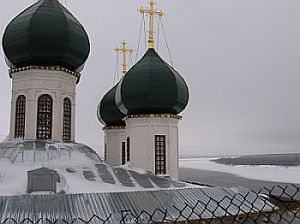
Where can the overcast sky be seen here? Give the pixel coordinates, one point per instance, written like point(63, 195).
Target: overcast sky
point(240, 58)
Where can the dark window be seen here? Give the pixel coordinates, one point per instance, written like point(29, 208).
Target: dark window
point(44, 117)
point(67, 120)
point(123, 153)
point(160, 154)
point(105, 153)
point(128, 149)
point(20, 117)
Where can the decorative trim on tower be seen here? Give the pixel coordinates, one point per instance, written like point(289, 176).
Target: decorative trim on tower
point(113, 127)
point(51, 68)
point(153, 116)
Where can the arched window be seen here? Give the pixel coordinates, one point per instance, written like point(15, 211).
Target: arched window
point(44, 117)
point(20, 117)
point(67, 120)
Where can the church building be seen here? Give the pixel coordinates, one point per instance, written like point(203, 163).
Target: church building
point(47, 177)
point(44, 68)
point(141, 113)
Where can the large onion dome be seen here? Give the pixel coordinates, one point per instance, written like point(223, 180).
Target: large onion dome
point(108, 112)
point(46, 34)
point(152, 86)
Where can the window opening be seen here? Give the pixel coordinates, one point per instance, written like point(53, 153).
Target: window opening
point(20, 117)
point(128, 149)
point(160, 154)
point(67, 120)
point(44, 117)
point(123, 153)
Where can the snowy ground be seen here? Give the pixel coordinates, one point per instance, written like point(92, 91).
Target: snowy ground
point(268, 173)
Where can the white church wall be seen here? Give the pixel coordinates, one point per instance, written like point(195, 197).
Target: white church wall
point(32, 84)
point(113, 139)
point(142, 133)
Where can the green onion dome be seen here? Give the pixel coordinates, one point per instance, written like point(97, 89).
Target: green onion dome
point(152, 87)
point(108, 112)
point(46, 34)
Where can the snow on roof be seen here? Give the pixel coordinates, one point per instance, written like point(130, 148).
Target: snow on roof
point(79, 167)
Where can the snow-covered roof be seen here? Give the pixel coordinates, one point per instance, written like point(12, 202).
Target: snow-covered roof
point(79, 167)
point(90, 189)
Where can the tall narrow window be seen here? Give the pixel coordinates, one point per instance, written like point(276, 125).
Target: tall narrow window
point(67, 120)
point(160, 154)
point(44, 117)
point(128, 149)
point(105, 153)
point(20, 117)
point(123, 153)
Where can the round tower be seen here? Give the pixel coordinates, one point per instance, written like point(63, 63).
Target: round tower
point(114, 129)
point(45, 48)
point(151, 95)
point(115, 153)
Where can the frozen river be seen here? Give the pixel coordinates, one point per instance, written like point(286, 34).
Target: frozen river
point(267, 173)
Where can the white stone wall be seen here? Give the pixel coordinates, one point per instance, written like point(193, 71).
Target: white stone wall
point(32, 84)
point(142, 133)
point(113, 139)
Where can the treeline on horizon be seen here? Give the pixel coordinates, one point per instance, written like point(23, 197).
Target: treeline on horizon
point(256, 160)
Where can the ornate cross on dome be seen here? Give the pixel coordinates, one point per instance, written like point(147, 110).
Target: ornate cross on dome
point(152, 12)
point(124, 50)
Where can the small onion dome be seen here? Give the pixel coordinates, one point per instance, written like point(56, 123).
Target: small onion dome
point(108, 112)
point(46, 34)
point(152, 87)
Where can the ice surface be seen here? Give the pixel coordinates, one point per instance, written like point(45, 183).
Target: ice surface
point(268, 173)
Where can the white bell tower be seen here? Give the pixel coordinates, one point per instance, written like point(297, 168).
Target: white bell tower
point(43, 103)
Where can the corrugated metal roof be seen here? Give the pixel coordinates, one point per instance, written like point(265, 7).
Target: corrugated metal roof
point(141, 204)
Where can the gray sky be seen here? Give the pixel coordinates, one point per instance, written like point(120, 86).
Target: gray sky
point(240, 58)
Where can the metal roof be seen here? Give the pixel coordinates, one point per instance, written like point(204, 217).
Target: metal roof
point(80, 168)
point(152, 86)
point(159, 204)
point(35, 151)
point(46, 34)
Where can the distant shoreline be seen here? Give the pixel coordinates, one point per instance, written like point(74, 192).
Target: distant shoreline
point(286, 160)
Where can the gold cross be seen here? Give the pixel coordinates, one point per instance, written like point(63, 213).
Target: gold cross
point(152, 13)
point(124, 50)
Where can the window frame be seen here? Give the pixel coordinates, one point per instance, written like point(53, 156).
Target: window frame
point(44, 126)
point(67, 119)
point(20, 117)
point(128, 149)
point(123, 148)
point(160, 155)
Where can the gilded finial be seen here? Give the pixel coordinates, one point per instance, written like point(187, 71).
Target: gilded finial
point(123, 49)
point(152, 12)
